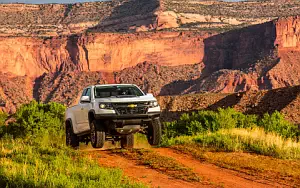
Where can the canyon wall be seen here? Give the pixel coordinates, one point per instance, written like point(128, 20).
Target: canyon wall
point(285, 100)
point(243, 49)
point(264, 56)
point(97, 52)
point(67, 19)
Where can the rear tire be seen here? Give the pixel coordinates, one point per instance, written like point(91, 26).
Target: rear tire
point(97, 135)
point(154, 132)
point(72, 139)
point(127, 141)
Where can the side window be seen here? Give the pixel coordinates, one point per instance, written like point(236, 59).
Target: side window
point(88, 92)
point(83, 93)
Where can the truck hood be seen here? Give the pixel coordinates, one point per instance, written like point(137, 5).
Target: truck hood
point(148, 97)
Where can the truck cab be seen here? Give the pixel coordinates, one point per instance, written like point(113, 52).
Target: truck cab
point(113, 112)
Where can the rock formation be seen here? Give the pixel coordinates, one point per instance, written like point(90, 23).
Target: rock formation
point(166, 47)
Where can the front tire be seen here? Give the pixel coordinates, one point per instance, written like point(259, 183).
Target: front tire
point(154, 132)
point(71, 138)
point(127, 141)
point(97, 135)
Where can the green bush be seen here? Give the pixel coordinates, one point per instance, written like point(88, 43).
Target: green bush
point(37, 118)
point(240, 139)
point(3, 118)
point(211, 121)
point(276, 123)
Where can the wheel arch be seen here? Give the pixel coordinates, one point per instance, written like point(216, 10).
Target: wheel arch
point(91, 115)
point(68, 123)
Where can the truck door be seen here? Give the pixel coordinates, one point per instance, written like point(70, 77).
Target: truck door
point(84, 108)
point(77, 111)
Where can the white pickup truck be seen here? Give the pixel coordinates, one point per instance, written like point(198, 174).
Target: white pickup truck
point(113, 112)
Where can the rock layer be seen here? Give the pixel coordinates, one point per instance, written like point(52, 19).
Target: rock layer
point(286, 100)
point(263, 56)
point(97, 52)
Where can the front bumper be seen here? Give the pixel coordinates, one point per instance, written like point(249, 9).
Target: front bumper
point(147, 116)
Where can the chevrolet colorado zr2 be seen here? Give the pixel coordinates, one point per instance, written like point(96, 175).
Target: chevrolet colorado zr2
point(113, 112)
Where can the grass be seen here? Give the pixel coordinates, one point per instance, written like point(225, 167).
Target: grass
point(33, 153)
point(276, 170)
point(44, 162)
point(266, 147)
point(240, 139)
point(160, 163)
point(212, 121)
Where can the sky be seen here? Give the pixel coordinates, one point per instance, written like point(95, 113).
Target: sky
point(46, 1)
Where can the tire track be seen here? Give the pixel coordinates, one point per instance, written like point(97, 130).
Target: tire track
point(225, 177)
point(142, 173)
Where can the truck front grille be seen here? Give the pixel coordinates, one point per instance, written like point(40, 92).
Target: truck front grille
point(136, 108)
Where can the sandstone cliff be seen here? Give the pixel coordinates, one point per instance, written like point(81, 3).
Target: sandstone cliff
point(263, 56)
point(138, 15)
point(65, 19)
point(168, 62)
point(98, 52)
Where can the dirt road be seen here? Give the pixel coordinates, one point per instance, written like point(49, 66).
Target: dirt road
point(211, 175)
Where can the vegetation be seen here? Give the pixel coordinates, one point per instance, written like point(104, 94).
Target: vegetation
point(3, 117)
point(36, 119)
point(33, 154)
point(250, 140)
point(161, 163)
point(229, 130)
point(276, 123)
point(208, 121)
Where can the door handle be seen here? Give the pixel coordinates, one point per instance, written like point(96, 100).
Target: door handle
point(81, 108)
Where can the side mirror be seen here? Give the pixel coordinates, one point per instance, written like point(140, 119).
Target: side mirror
point(85, 99)
point(149, 94)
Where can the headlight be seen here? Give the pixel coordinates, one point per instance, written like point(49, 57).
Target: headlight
point(153, 104)
point(105, 106)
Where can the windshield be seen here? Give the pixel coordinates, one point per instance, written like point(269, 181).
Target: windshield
point(117, 91)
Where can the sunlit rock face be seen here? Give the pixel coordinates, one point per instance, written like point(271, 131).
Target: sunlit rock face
point(59, 48)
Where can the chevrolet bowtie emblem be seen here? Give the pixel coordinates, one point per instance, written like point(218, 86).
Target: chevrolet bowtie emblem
point(132, 105)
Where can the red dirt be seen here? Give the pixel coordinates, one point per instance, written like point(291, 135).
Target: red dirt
point(216, 176)
point(213, 173)
point(140, 173)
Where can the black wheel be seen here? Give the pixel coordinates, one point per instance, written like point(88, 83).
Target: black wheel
point(127, 141)
point(154, 132)
point(71, 138)
point(97, 135)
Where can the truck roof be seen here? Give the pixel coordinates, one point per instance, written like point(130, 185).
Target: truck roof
point(114, 85)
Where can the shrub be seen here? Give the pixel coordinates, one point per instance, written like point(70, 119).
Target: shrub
point(210, 121)
point(204, 121)
point(3, 118)
point(276, 123)
point(187, 125)
point(240, 139)
point(37, 118)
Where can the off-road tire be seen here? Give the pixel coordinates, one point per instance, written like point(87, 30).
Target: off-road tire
point(154, 132)
point(127, 141)
point(97, 135)
point(72, 139)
